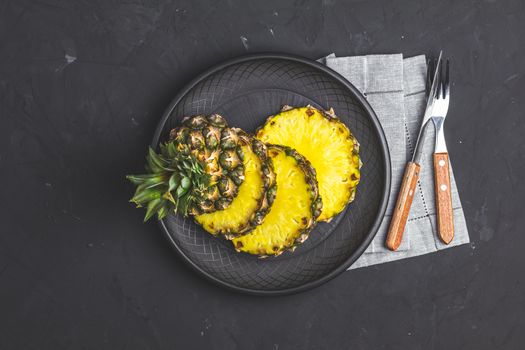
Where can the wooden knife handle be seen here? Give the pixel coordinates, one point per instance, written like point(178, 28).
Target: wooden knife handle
point(403, 204)
point(445, 217)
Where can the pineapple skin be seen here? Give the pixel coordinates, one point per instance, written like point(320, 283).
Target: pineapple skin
point(211, 141)
point(345, 192)
point(267, 194)
point(263, 239)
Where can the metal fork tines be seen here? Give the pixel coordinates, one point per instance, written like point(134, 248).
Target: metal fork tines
point(440, 109)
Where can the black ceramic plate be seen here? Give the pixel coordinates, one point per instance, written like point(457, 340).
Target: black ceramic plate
point(246, 91)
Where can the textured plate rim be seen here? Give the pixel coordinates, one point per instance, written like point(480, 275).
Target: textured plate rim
point(386, 160)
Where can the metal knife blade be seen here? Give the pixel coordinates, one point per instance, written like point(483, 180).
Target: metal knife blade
point(416, 157)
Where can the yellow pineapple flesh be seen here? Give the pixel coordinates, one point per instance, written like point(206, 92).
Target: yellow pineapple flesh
point(254, 197)
point(294, 210)
point(329, 146)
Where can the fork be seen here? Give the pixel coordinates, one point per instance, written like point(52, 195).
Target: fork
point(445, 218)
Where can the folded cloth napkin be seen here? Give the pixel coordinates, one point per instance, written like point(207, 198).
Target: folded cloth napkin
point(395, 88)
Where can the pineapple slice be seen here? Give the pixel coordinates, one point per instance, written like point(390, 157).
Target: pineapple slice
point(329, 146)
point(295, 209)
point(254, 197)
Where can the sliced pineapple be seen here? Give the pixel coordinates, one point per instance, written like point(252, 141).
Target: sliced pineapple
point(329, 146)
point(254, 197)
point(294, 211)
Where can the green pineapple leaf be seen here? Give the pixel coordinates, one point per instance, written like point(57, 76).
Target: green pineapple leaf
point(176, 181)
point(181, 191)
point(171, 150)
point(167, 195)
point(173, 182)
point(152, 208)
point(142, 197)
point(163, 211)
point(185, 183)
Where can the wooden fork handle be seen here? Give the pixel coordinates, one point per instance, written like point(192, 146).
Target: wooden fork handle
point(445, 217)
point(403, 204)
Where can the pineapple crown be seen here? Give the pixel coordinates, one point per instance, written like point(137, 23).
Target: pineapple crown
point(175, 181)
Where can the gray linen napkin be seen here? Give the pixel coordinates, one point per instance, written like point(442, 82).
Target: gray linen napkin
point(395, 88)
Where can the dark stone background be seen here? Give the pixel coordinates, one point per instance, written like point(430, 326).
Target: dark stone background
point(82, 85)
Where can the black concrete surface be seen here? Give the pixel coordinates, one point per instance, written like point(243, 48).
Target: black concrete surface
point(82, 85)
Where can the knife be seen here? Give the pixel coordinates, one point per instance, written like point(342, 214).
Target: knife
point(411, 175)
